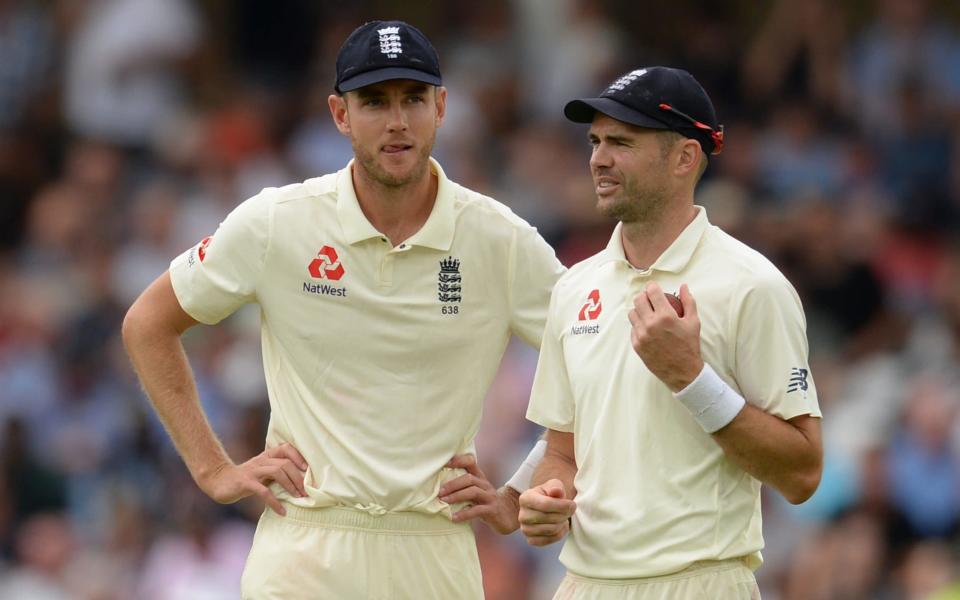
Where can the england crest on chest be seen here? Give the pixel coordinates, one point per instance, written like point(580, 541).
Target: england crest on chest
point(449, 281)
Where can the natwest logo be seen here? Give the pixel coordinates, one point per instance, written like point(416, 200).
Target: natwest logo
point(202, 248)
point(326, 265)
point(591, 310)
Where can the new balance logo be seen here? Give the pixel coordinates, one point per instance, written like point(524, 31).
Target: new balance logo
point(798, 380)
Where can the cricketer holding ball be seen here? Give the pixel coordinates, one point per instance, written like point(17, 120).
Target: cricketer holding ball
point(661, 427)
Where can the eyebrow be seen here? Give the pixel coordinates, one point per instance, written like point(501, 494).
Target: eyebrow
point(610, 138)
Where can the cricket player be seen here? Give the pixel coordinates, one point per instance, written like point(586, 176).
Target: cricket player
point(663, 427)
point(387, 296)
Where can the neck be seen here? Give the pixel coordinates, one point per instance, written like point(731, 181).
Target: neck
point(644, 241)
point(395, 211)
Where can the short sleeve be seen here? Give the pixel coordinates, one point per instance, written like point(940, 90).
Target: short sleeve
point(772, 357)
point(535, 270)
point(551, 399)
point(220, 274)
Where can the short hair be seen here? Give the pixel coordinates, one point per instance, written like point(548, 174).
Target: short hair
point(669, 138)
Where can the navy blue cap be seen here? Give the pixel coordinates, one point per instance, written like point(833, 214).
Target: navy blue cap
point(656, 98)
point(382, 50)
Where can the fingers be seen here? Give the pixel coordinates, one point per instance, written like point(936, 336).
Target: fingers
point(653, 300)
point(545, 540)
point(472, 494)
point(554, 488)
point(474, 512)
point(641, 304)
point(688, 301)
point(542, 535)
point(658, 299)
point(529, 516)
point(467, 462)
point(538, 506)
point(287, 451)
point(269, 499)
point(545, 529)
point(474, 477)
point(265, 472)
point(296, 478)
point(467, 488)
point(462, 461)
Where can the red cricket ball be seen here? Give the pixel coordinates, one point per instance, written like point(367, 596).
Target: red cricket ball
point(675, 303)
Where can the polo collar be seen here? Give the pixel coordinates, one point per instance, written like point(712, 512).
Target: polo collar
point(677, 254)
point(436, 232)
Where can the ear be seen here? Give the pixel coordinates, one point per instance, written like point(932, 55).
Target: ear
point(689, 157)
point(441, 102)
point(338, 109)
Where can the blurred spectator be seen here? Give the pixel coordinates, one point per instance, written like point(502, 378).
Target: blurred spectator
point(924, 471)
point(45, 547)
point(915, 161)
point(797, 158)
point(797, 53)
point(927, 568)
point(122, 80)
point(568, 47)
point(27, 48)
point(202, 558)
point(907, 42)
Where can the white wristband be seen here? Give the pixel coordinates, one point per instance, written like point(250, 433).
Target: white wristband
point(521, 479)
point(712, 402)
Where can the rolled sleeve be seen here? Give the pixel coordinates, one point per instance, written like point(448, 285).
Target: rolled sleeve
point(220, 274)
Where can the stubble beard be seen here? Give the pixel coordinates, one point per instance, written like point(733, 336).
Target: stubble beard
point(636, 204)
point(368, 161)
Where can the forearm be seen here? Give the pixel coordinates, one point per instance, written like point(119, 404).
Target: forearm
point(161, 364)
point(556, 466)
point(784, 454)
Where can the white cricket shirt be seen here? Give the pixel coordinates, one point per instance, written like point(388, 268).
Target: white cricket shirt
point(655, 492)
point(377, 358)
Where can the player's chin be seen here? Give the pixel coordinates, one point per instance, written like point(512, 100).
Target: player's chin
point(401, 169)
point(610, 206)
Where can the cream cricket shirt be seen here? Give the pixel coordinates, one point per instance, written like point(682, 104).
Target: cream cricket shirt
point(377, 358)
point(655, 492)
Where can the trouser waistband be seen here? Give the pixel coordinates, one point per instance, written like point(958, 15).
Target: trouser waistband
point(698, 568)
point(349, 518)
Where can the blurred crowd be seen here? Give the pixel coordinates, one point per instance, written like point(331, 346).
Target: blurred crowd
point(129, 128)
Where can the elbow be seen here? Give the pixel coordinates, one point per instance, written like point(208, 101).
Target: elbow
point(128, 330)
point(134, 326)
point(803, 485)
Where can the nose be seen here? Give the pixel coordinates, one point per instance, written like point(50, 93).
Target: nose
point(398, 118)
point(601, 157)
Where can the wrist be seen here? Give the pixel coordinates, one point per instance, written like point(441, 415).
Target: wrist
point(520, 481)
point(684, 380)
point(510, 495)
point(207, 473)
point(712, 402)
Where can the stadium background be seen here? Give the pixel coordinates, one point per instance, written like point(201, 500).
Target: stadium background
point(129, 128)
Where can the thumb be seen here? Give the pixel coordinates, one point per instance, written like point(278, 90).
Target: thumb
point(554, 488)
point(687, 300)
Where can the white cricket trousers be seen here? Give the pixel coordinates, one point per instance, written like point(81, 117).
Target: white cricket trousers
point(705, 580)
point(342, 553)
